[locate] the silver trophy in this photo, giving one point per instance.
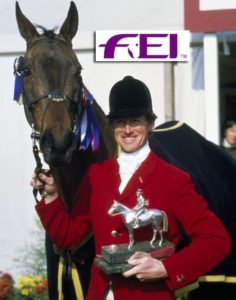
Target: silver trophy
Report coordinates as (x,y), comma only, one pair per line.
(114,257)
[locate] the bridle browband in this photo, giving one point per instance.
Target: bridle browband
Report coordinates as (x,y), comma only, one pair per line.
(46,39)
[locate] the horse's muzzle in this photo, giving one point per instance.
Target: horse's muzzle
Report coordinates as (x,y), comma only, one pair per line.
(57,151)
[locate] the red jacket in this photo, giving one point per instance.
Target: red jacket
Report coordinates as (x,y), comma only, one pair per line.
(166,188)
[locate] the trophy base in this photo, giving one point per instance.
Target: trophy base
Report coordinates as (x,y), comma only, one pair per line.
(111,269)
(114,257)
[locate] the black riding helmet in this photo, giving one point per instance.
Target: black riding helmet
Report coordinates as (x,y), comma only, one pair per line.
(130,97)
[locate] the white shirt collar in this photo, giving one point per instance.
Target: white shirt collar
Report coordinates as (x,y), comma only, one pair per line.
(130,162)
(226,144)
(137,156)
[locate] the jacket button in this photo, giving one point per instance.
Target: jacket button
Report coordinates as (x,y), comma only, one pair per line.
(114,233)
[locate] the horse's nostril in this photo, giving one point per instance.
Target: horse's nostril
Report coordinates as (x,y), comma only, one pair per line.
(56,146)
(69,140)
(46,140)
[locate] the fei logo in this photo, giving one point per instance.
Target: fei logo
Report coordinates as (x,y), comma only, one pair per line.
(142,46)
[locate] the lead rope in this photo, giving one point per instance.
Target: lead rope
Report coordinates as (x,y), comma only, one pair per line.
(35,137)
(71,268)
(75,279)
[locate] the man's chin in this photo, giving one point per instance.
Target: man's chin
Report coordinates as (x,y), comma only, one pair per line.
(129,148)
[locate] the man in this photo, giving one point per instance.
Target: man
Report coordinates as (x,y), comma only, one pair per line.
(140,207)
(229,141)
(166,188)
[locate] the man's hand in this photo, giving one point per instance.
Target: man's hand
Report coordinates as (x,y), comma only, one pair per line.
(146,268)
(47,183)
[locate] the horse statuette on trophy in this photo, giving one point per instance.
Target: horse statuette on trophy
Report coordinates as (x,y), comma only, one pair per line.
(114,257)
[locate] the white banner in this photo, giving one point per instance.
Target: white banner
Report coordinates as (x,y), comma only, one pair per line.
(217,4)
(142,45)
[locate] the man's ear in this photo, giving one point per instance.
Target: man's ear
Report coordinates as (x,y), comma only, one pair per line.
(151,125)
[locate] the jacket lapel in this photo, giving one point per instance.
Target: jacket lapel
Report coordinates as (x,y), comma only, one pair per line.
(112,177)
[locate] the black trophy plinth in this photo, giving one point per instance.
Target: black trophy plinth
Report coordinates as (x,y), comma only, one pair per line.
(114,257)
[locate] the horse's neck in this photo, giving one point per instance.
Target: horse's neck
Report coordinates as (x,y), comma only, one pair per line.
(69,176)
(124,209)
(108,144)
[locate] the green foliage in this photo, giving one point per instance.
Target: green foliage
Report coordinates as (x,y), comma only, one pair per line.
(31,259)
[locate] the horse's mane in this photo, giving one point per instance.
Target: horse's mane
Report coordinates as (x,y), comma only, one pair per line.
(49,33)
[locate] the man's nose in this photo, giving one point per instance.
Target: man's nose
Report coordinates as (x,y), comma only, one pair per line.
(127,128)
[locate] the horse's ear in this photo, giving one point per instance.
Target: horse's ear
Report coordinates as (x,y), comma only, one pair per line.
(26,28)
(70,25)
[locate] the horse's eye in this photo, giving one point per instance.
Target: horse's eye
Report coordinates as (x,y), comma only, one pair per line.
(25,71)
(78,73)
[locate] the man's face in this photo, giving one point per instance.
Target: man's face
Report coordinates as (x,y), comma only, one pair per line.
(131,133)
(230,135)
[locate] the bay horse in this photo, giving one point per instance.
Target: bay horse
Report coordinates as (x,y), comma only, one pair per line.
(70,127)
(154,217)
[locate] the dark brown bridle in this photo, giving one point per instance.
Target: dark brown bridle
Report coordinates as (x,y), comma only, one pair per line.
(52,96)
(55,96)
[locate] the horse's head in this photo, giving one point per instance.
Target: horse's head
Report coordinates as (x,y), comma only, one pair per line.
(52,85)
(114,208)
(118,208)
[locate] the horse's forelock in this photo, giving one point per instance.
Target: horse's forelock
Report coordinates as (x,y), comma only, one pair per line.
(49,33)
